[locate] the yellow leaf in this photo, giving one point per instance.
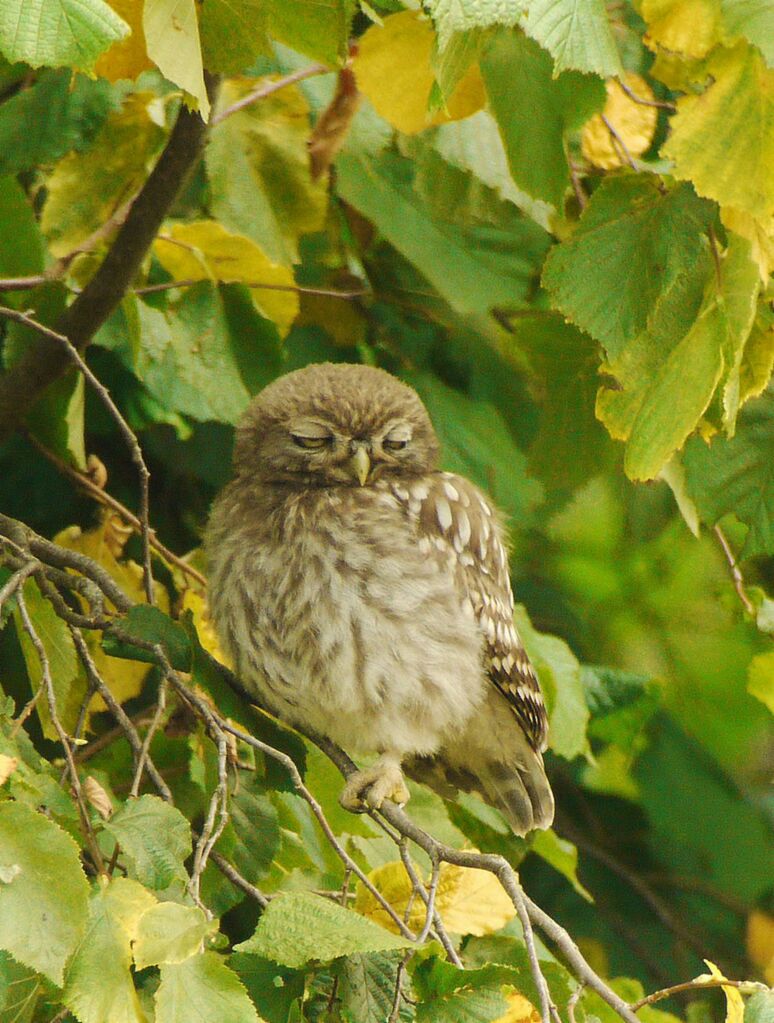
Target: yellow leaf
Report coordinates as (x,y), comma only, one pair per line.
(687,27)
(127,58)
(196,603)
(469,901)
(633,122)
(86,189)
(7,766)
(734,1000)
(104,544)
(98,797)
(393,69)
(760,678)
(760,942)
(172,33)
(520,1010)
(204,250)
(760,234)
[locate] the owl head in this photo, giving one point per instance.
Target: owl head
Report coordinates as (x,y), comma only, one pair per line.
(334,423)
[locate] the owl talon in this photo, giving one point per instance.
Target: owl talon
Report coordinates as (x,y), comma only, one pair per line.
(367,790)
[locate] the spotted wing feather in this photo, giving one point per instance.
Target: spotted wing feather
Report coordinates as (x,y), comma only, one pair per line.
(454,518)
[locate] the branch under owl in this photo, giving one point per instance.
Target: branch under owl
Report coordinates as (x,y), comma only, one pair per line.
(65,572)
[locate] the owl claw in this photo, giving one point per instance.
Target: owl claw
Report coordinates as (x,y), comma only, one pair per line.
(368,789)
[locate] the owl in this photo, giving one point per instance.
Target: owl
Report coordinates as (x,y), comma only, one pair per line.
(363,594)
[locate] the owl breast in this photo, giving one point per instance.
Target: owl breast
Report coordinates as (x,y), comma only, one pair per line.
(344,625)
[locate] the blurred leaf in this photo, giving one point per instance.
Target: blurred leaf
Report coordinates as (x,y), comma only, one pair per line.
(620,703)
(688,27)
(562,856)
(258,168)
(633,241)
(204,250)
(274,989)
(760,234)
(20,991)
(558,671)
(761,678)
(169,933)
(155,837)
(753,19)
(318,28)
(737,475)
(204,987)
(469,901)
(451,17)
(634,124)
(127,58)
(297,928)
(43,892)
(233,34)
(99,984)
(734,1000)
(722,140)
(760,1006)
(392,68)
(171,30)
(150,625)
(57,32)
(85,190)
(21,244)
(513,65)
(760,949)
(576,33)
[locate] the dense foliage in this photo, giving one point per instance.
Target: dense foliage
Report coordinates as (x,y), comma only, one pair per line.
(555,219)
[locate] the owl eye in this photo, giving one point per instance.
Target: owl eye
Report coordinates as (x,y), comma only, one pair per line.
(394,445)
(311,443)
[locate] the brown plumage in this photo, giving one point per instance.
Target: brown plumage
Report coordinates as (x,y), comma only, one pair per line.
(365,595)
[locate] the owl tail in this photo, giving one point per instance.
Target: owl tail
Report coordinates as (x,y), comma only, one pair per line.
(520,791)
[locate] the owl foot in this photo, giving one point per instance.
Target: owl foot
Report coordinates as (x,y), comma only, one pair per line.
(369,788)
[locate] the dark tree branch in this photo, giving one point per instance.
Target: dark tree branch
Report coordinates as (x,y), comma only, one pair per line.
(46,360)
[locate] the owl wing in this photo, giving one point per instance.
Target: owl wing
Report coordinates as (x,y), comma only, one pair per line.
(454,518)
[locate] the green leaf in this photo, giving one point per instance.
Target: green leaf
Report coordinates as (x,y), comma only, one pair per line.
(169,933)
(318,28)
(759,1007)
(233,34)
(737,475)
(171,32)
(202,989)
(760,674)
(297,928)
(474,267)
(252,836)
(99,984)
(367,988)
(723,139)
(155,837)
(67,678)
(20,991)
(452,16)
(634,241)
(558,671)
(274,989)
(576,33)
(620,703)
(513,65)
(57,32)
(562,856)
(258,167)
(150,625)
(753,19)
(43,892)
(507,957)
(21,244)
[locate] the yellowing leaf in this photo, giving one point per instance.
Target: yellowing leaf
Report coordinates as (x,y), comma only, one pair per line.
(520,1010)
(7,766)
(759,233)
(172,35)
(688,27)
(86,189)
(204,250)
(469,901)
(393,69)
(208,637)
(104,544)
(734,1000)
(760,678)
(634,123)
(760,936)
(723,139)
(129,57)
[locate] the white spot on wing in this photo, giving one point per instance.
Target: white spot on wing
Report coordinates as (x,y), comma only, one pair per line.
(451,491)
(443,513)
(463,527)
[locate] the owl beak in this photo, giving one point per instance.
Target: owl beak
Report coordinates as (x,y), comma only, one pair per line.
(360,464)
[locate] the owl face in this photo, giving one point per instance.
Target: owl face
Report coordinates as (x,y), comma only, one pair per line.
(333,425)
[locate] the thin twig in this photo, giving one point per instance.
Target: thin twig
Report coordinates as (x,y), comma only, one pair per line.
(577,188)
(215,821)
(618,141)
(229,871)
(268,89)
(749,986)
(48,686)
(736,572)
(124,429)
(661,104)
(573,1000)
(142,757)
(150,289)
(417,886)
(510,882)
(714,249)
(16,581)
